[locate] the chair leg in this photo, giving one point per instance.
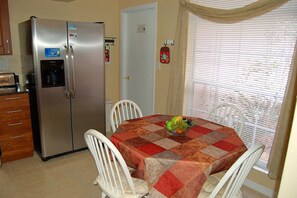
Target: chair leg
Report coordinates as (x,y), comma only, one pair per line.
(146,196)
(95,182)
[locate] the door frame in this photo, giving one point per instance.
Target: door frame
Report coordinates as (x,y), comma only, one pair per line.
(124,12)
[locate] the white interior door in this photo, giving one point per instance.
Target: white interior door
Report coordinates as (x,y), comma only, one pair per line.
(138,56)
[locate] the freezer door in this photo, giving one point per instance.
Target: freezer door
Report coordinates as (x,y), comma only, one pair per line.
(86,44)
(50,67)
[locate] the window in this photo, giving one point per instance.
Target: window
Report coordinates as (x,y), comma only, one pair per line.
(246,64)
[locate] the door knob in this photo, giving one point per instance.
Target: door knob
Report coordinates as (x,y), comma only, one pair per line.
(127,77)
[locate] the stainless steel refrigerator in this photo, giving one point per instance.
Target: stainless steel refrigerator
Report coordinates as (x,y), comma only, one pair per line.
(66,82)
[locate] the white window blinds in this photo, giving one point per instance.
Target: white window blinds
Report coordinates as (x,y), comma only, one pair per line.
(245,64)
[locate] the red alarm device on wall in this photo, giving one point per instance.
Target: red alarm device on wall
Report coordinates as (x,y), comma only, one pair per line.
(164,55)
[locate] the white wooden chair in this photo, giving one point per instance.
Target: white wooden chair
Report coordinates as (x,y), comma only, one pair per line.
(229,185)
(113,178)
(228,115)
(123,110)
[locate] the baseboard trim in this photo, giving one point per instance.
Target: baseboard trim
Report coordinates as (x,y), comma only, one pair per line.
(259,188)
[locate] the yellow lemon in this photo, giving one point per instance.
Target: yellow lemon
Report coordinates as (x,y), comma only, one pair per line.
(176,118)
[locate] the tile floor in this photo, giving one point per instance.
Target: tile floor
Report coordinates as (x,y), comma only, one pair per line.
(249,193)
(63,177)
(67,176)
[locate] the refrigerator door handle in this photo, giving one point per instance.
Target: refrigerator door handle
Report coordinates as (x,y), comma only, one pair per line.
(72,72)
(67,92)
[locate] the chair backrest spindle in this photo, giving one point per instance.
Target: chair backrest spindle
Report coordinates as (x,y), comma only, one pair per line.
(123,110)
(230,184)
(228,115)
(114,178)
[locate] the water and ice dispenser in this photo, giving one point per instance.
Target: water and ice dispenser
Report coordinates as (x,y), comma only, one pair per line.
(52,73)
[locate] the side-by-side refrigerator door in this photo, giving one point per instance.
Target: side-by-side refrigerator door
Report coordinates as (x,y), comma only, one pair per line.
(50,68)
(86,43)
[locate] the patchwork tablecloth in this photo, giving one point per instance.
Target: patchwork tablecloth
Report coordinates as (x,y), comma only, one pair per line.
(176,166)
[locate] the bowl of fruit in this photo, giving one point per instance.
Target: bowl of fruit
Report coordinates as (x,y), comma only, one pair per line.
(178,125)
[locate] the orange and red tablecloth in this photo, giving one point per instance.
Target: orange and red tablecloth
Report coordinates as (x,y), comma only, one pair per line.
(176,166)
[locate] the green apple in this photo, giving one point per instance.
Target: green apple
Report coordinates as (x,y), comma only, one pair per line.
(168,125)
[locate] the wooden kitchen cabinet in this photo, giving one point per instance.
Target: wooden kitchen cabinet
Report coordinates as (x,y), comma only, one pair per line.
(5,37)
(15,127)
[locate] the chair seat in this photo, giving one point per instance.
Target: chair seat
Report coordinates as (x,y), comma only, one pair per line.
(211,182)
(140,186)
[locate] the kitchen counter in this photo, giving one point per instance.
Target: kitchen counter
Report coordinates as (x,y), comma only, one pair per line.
(7,91)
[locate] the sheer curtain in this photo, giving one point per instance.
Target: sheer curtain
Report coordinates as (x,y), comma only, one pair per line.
(177,77)
(282,135)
